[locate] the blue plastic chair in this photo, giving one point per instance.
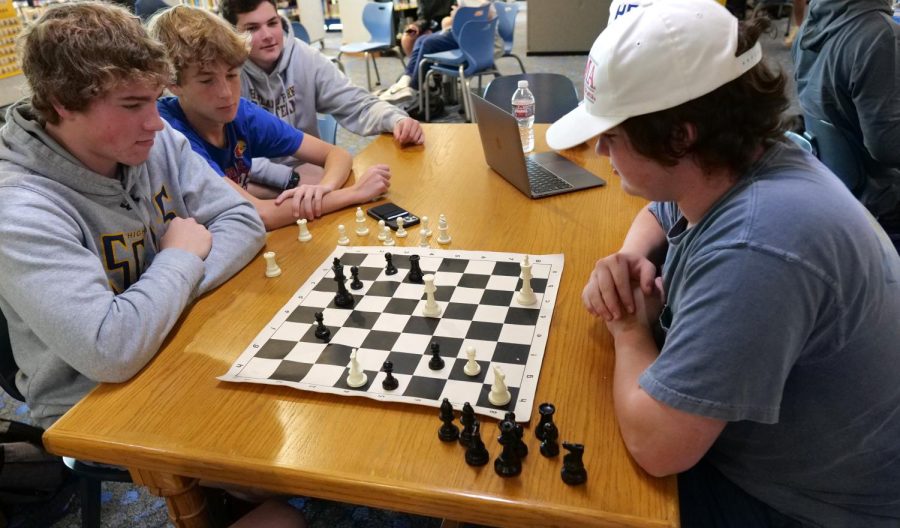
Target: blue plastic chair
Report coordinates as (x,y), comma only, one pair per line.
(300,31)
(327,128)
(839,152)
(378,20)
(554,94)
(507,27)
(476,41)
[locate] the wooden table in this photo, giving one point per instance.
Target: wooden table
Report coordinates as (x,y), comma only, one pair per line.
(175,423)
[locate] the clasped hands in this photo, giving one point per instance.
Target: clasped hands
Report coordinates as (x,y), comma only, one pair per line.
(624,290)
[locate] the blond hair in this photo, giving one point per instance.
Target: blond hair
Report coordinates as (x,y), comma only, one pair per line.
(75,53)
(195,36)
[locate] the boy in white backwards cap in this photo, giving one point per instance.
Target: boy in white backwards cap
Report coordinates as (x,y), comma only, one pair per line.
(775,394)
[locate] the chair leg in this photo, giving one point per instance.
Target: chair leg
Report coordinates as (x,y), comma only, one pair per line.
(368,75)
(520,63)
(377,75)
(426,96)
(89,491)
(464,84)
(422,87)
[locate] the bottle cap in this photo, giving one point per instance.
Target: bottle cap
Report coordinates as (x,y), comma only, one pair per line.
(523,84)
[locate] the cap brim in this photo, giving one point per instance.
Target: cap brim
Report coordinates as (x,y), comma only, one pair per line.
(578,126)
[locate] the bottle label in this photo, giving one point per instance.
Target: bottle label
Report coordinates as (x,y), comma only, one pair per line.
(523,111)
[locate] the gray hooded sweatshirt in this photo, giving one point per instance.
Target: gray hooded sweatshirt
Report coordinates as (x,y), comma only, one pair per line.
(88,294)
(847,67)
(303,83)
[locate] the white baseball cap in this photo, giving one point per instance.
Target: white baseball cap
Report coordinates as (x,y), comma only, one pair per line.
(661,54)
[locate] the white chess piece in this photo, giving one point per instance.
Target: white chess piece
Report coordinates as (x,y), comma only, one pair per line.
(401,233)
(388,239)
(361,228)
(343,239)
(423,239)
(272,269)
(431,308)
(305,235)
(443,235)
(526,296)
(472,367)
(499,394)
(425,227)
(381,228)
(356,377)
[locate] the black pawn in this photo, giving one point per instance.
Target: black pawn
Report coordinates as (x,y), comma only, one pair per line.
(448,432)
(415,271)
(508,464)
(546,411)
(322,331)
(355,284)
(389,269)
(573,472)
(343,298)
(436,362)
(389,382)
(521,447)
(467,419)
(477,454)
(549,445)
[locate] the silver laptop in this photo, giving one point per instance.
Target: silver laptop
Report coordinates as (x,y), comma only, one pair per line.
(536,175)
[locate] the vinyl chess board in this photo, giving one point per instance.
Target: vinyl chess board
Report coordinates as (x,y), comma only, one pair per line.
(477,292)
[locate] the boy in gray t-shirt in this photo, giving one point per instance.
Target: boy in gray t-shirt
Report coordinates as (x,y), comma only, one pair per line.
(775,393)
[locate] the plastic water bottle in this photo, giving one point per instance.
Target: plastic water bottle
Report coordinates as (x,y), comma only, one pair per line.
(523,109)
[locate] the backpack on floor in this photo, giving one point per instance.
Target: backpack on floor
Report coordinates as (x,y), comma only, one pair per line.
(28,473)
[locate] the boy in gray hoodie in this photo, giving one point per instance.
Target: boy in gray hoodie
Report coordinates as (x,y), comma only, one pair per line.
(111,224)
(294,81)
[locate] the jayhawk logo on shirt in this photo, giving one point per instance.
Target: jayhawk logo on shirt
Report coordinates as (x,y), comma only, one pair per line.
(240,171)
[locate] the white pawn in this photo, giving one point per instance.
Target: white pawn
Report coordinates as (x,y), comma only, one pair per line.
(526,296)
(381,228)
(425,227)
(361,228)
(272,269)
(499,394)
(443,235)
(343,239)
(388,239)
(431,308)
(472,367)
(305,235)
(423,239)
(356,377)
(401,233)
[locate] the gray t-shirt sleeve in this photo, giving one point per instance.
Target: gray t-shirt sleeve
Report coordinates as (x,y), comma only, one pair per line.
(743,317)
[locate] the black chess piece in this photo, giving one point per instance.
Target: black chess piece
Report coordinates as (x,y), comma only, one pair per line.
(322,331)
(389,382)
(436,362)
(448,432)
(573,471)
(355,284)
(549,445)
(467,419)
(389,269)
(546,411)
(415,271)
(476,453)
(508,464)
(337,267)
(521,447)
(343,298)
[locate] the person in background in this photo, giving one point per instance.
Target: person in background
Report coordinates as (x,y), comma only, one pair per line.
(753,307)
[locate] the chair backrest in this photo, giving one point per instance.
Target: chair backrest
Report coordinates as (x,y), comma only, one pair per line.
(300,31)
(476,41)
(327,128)
(554,94)
(801,141)
(8,367)
(465,15)
(839,153)
(377,17)
(507,26)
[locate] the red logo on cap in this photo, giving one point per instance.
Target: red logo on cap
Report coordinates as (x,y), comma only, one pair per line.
(589,74)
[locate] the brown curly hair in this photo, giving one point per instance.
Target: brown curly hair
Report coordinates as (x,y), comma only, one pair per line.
(75,53)
(731,122)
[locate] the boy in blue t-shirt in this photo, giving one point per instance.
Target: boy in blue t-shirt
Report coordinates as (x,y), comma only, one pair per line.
(229,131)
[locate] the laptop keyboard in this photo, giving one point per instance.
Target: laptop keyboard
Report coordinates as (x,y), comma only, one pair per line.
(542,180)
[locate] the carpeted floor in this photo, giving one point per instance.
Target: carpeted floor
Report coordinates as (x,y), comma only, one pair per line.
(129,505)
